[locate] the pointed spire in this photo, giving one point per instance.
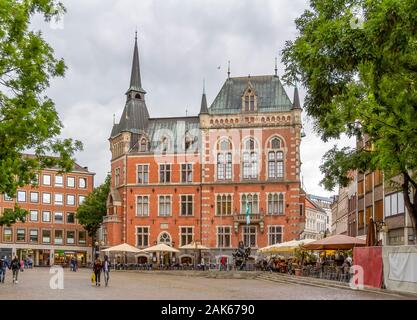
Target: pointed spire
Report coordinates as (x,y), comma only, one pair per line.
(228,69)
(276,67)
(203,108)
(296,102)
(135,80)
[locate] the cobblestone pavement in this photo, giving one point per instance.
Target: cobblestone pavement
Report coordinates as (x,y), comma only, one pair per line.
(34,284)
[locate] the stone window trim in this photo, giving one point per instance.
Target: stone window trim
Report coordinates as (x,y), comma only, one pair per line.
(250,234)
(71,185)
(59,181)
(223,234)
(231,195)
(167,173)
(50,235)
(170,204)
(168,236)
(24,234)
(142,166)
(249,100)
(62,238)
(270,234)
(21,196)
(143,204)
(250,158)
(8,229)
(30,235)
(50,216)
(241,195)
(37,215)
(283,202)
(187,201)
(68,196)
(186,234)
(224,159)
(43,198)
(187,170)
(67,238)
(117,177)
(46,179)
(278,159)
(148,233)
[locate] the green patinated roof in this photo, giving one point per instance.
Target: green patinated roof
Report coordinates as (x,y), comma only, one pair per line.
(271,95)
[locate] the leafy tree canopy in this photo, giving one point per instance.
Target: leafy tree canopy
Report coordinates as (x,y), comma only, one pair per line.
(357,60)
(91,212)
(28,119)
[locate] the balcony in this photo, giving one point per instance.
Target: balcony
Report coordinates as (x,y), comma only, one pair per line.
(111,218)
(255,218)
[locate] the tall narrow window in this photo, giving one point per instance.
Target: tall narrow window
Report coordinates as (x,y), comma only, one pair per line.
(143,173)
(164,173)
(164,206)
(117,177)
(249,101)
(275,160)
(186,205)
(224,205)
(187,172)
(224,234)
(275,203)
(142,208)
(224,160)
(250,160)
(249,236)
(186,235)
(142,236)
(249,202)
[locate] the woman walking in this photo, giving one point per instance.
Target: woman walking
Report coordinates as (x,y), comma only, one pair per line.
(15,266)
(97,270)
(106,270)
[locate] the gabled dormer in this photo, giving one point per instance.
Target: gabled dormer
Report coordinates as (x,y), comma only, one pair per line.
(249,99)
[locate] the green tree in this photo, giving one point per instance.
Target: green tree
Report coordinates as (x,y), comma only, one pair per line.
(28,119)
(357,60)
(91,212)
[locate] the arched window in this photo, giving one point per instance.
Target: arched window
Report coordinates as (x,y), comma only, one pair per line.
(250,160)
(249,203)
(165,237)
(143,145)
(275,160)
(275,203)
(249,100)
(224,160)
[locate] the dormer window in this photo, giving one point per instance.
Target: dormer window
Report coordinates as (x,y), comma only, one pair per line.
(249,100)
(143,145)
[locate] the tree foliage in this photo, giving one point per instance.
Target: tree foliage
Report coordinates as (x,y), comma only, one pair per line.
(360,74)
(91,212)
(28,119)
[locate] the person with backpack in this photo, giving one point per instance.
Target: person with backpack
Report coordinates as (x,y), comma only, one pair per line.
(15,267)
(106,270)
(4,264)
(97,267)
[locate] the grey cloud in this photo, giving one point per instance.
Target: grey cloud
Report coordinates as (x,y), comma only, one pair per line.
(180,43)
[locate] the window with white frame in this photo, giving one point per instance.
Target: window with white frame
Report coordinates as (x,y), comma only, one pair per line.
(186,235)
(250,160)
(46,216)
(70,237)
(249,202)
(224,205)
(82,182)
(46,179)
(275,159)
(34,215)
(71,182)
(164,206)
(33,235)
(249,100)
(142,206)
(164,173)
(81,199)
(59,181)
(46,236)
(224,235)
(59,199)
(21,196)
(275,203)
(143,173)
(249,236)
(186,172)
(46,198)
(394,204)
(274,234)
(186,205)
(142,236)
(59,237)
(58,217)
(20,235)
(224,160)
(165,237)
(7,234)
(70,200)
(34,197)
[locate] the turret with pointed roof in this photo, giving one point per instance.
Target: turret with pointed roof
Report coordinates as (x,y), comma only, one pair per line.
(135,114)
(203,108)
(296,102)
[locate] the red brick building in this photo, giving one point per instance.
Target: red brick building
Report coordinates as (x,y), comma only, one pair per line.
(230,174)
(51,233)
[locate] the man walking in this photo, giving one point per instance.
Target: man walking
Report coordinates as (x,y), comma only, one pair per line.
(106,270)
(15,266)
(4,264)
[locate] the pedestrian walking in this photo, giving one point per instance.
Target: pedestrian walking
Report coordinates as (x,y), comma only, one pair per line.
(97,267)
(4,264)
(75,264)
(106,270)
(15,267)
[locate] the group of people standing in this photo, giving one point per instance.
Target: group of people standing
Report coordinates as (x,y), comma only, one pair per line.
(15,265)
(100,266)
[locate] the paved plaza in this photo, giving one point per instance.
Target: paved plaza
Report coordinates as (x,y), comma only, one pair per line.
(34,284)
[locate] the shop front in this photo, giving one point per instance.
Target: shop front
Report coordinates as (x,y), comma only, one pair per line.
(63,257)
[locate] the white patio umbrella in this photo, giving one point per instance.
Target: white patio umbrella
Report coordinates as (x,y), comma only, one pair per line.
(162,247)
(196,246)
(123,248)
(285,247)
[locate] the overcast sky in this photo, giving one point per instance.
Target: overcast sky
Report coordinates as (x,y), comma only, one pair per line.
(181,42)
